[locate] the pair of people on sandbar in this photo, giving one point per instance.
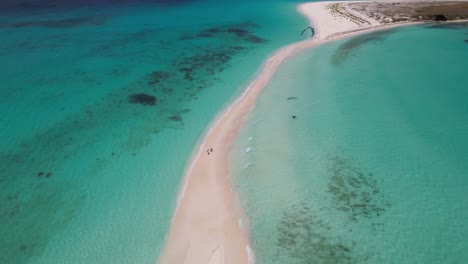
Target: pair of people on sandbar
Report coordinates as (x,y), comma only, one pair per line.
(210,150)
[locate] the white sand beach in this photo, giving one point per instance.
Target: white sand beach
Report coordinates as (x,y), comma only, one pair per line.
(206,225)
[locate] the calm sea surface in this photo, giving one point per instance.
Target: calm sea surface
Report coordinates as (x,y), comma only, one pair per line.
(357,152)
(101,106)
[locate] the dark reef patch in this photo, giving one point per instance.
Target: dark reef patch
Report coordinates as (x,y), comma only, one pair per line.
(24,236)
(254,39)
(23,247)
(206,63)
(142,98)
(200,35)
(32,42)
(345,50)
(240,31)
(187,73)
(37,5)
(167,90)
(355,191)
(61,23)
(176,118)
(116,45)
(466,41)
(119,71)
(157,77)
(304,237)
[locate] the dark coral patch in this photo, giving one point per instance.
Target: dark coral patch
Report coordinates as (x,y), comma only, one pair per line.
(118,72)
(238,48)
(61,23)
(466,41)
(157,77)
(187,73)
(142,98)
(254,39)
(303,237)
(213,30)
(348,48)
(238,31)
(204,35)
(176,118)
(12,197)
(355,191)
(23,247)
(167,90)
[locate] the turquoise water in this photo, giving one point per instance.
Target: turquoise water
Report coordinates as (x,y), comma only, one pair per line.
(374,166)
(87,176)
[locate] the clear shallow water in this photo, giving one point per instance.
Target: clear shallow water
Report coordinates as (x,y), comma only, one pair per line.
(374,168)
(85,175)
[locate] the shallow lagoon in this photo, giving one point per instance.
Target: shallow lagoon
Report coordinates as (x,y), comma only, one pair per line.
(372,167)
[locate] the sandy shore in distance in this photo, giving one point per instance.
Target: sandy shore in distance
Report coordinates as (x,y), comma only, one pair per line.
(206,225)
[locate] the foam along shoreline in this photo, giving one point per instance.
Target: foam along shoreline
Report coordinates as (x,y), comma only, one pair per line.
(207,225)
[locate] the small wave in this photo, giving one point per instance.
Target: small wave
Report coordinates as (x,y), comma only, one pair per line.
(250,139)
(250,149)
(249,165)
(250,254)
